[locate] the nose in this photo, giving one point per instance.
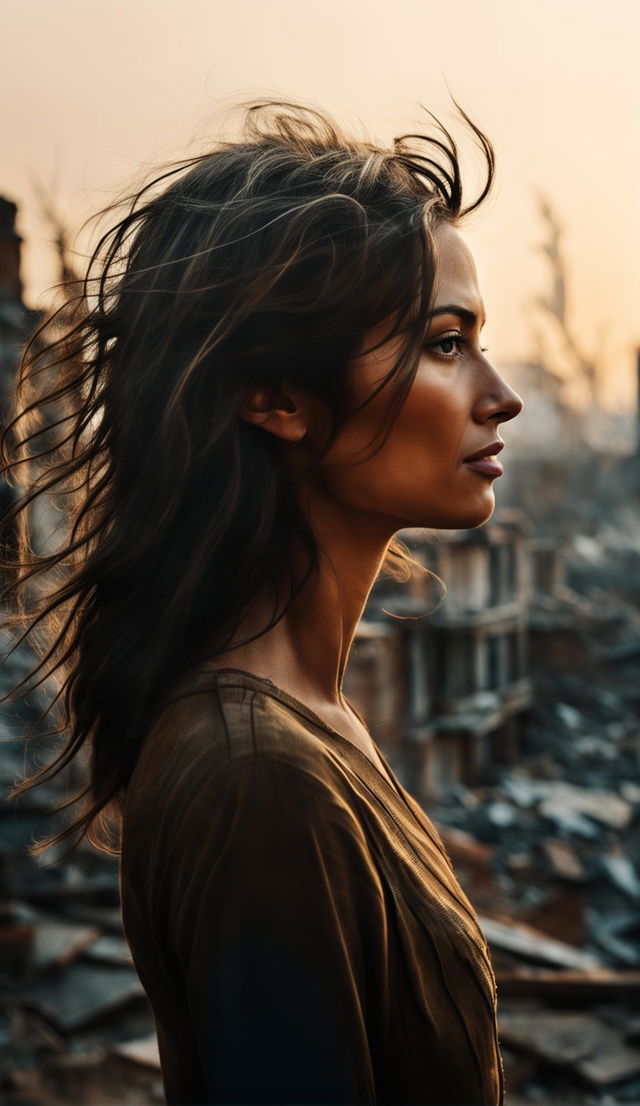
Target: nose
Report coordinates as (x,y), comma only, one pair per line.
(497,400)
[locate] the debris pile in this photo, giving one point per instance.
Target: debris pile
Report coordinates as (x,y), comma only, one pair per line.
(549,852)
(75,1025)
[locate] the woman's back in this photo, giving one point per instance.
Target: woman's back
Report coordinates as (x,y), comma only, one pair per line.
(293,916)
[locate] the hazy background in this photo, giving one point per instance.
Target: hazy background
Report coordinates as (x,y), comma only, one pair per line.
(94,91)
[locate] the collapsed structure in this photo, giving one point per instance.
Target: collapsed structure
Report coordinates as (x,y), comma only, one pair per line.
(444,684)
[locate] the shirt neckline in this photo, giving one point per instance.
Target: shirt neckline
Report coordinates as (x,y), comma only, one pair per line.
(371,769)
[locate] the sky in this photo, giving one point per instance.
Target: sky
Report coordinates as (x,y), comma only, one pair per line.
(95,92)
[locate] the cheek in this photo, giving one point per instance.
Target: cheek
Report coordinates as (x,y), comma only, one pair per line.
(433,420)
(423,447)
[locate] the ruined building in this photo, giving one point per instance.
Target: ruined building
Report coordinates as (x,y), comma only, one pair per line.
(445,685)
(16,320)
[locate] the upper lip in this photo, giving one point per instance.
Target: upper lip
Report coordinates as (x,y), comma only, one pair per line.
(488,451)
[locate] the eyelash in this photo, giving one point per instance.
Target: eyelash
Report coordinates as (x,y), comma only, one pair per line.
(459,341)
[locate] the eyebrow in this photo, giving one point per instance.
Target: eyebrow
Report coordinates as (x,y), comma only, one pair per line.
(463,313)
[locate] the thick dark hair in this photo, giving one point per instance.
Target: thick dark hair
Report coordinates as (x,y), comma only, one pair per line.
(265,259)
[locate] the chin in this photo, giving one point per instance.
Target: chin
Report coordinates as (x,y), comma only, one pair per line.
(480,516)
(466,515)
(469,517)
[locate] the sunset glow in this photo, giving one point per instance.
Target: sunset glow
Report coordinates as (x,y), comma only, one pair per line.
(96,92)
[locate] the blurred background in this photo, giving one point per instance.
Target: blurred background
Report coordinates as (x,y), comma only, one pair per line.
(511,707)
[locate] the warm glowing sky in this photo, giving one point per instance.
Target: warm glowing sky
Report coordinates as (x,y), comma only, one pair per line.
(95,90)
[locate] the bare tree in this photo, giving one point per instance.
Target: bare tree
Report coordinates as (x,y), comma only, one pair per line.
(69,283)
(555,303)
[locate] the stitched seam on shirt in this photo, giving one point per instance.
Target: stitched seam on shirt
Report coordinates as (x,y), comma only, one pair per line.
(253,723)
(466,933)
(404,837)
(310,717)
(216,692)
(488,996)
(459,1012)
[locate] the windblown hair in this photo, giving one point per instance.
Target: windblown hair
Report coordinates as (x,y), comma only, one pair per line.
(264,260)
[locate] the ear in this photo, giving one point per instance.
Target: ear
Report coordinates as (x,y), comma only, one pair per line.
(281,411)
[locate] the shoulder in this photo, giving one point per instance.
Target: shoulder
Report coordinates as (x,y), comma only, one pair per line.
(221,740)
(240,786)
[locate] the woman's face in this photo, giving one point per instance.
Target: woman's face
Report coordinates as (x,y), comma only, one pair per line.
(421,476)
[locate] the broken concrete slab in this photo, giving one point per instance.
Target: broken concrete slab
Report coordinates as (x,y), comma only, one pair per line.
(92,1078)
(463,847)
(563,860)
(604,807)
(570,822)
(521,864)
(129,1023)
(57,943)
(611,1064)
(560,1038)
(532,982)
(630,792)
(521,789)
(621,873)
(501,814)
(569,716)
(532,945)
(617,935)
(142,1051)
(110,949)
(83,992)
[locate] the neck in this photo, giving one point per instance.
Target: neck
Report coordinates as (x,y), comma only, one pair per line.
(307,651)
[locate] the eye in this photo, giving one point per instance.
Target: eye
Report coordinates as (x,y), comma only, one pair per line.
(447,346)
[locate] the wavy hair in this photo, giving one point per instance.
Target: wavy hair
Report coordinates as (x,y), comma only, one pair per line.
(265,259)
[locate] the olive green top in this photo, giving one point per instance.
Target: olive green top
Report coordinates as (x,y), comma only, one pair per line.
(293,916)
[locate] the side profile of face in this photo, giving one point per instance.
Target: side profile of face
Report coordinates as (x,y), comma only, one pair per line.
(422,476)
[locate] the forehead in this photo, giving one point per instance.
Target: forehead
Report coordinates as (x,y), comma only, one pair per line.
(456,276)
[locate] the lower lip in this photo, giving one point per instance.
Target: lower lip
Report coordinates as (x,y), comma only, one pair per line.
(487,466)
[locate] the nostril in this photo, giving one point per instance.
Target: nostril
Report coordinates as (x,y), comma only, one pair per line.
(513,408)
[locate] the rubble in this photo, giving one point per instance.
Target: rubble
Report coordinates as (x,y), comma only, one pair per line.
(550,845)
(57,943)
(82,993)
(601,806)
(622,874)
(563,860)
(143,1051)
(559,1038)
(572,987)
(611,1064)
(529,944)
(78,1027)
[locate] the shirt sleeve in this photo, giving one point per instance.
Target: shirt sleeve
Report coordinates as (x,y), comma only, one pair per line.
(280,931)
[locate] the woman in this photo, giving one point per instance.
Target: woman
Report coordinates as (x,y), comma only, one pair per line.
(279,368)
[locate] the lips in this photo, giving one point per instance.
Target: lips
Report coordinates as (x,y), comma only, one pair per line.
(488,451)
